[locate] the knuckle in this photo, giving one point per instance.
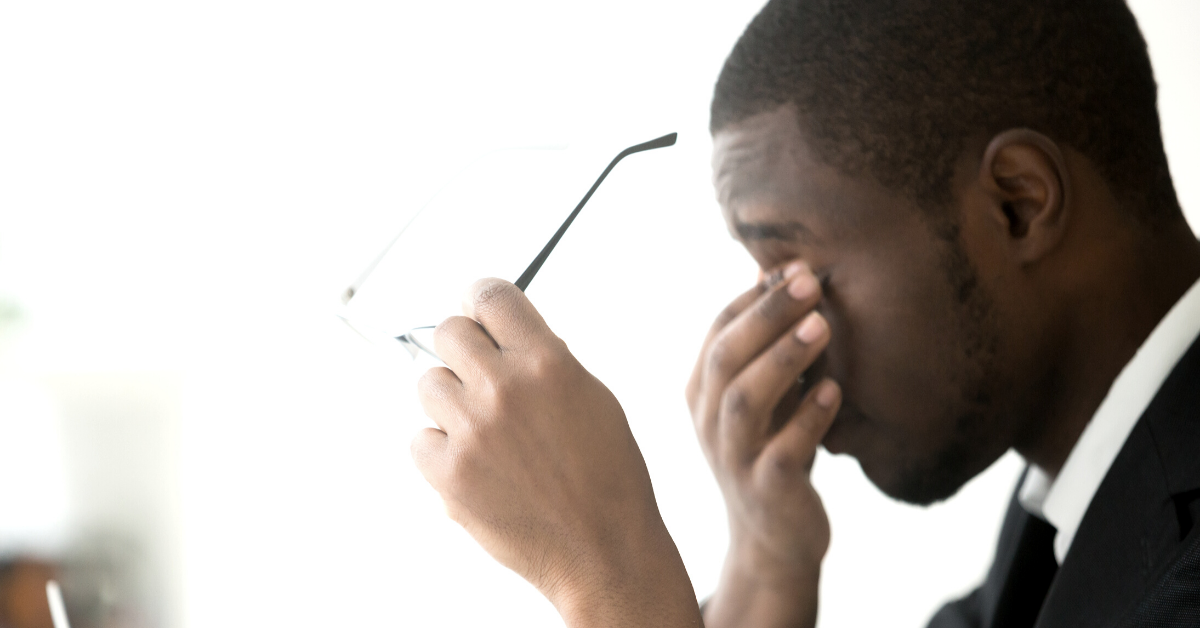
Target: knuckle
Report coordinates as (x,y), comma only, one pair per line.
(438,378)
(448,326)
(734,402)
(719,359)
(550,362)
(447,330)
(788,355)
(419,448)
(430,384)
(491,293)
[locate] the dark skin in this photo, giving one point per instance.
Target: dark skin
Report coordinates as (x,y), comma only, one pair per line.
(1047,276)
(937,349)
(949,352)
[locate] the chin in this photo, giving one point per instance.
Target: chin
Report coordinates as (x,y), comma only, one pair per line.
(920,488)
(903,475)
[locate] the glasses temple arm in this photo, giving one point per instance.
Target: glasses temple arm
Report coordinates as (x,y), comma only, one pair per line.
(527,276)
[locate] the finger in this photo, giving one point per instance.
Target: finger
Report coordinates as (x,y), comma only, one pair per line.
(428,451)
(766,281)
(438,391)
(505,313)
(730,312)
(755,329)
(748,400)
(735,307)
(752,329)
(794,448)
(465,347)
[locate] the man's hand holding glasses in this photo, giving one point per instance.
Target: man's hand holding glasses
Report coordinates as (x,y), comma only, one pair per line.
(534,458)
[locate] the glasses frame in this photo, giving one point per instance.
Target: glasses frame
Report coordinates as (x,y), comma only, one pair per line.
(410,341)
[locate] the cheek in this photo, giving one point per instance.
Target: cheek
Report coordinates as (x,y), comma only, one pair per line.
(893,350)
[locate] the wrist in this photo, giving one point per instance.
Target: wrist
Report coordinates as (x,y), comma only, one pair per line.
(648,586)
(753,557)
(758,589)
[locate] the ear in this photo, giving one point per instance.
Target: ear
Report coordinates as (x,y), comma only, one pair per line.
(1024,175)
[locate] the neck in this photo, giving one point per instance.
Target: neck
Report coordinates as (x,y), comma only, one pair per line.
(1102,331)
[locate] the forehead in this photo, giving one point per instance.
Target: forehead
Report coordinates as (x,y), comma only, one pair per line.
(781,200)
(765,172)
(759,156)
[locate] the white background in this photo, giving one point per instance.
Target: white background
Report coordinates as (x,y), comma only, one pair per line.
(186,188)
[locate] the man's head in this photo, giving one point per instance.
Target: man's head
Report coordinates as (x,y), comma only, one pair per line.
(960,175)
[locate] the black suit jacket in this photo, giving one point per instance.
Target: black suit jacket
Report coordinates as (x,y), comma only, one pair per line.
(1135,560)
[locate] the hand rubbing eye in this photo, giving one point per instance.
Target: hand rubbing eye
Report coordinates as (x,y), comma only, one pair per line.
(773,278)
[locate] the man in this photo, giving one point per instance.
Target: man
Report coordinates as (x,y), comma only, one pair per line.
(971,244)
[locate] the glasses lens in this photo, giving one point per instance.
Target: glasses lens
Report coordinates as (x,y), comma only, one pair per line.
(489,221)
(419,341)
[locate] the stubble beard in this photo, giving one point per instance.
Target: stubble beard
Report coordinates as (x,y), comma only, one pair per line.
(983,413)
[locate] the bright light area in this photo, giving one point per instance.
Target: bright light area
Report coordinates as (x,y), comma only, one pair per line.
(186,189)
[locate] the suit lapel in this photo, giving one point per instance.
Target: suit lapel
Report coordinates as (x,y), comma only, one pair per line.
(1131,530)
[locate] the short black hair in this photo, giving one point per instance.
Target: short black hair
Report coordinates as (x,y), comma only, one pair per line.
(895,88)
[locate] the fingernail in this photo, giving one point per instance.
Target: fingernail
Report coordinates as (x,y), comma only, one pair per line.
(812,328)
(803,287)
(791,270)
(827,395)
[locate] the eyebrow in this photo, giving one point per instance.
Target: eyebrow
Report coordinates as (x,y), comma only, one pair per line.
(787,231)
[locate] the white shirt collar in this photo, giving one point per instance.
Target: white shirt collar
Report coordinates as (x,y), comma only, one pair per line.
(1062,501)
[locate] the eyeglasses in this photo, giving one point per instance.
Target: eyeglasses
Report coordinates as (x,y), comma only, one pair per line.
(58,611)
(419,340)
